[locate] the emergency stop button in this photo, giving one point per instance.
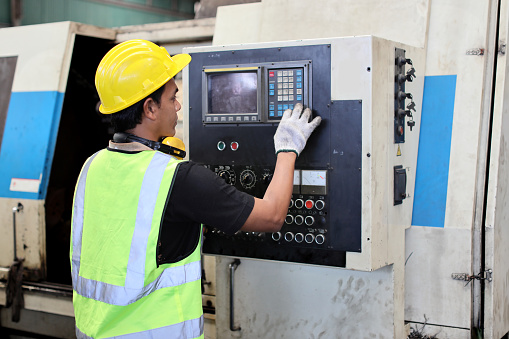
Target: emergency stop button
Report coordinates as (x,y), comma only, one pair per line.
(234,146)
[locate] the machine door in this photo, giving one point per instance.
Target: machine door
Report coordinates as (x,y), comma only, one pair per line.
(34,77)
(496,268)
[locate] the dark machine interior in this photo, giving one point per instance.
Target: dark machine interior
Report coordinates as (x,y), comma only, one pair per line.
(82,132)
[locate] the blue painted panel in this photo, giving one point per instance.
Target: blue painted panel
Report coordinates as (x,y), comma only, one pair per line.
(29,140)
(432,173)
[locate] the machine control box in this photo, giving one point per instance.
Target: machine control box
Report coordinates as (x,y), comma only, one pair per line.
(343,192)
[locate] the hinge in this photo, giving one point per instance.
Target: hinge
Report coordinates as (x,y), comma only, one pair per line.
(486,275)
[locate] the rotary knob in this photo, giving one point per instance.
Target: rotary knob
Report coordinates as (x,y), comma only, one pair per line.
(228,176)
(247,178)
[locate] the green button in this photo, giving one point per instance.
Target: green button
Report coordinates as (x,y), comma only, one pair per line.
(221,146)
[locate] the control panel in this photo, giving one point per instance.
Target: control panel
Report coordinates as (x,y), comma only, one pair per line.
(253,93)
(343,180)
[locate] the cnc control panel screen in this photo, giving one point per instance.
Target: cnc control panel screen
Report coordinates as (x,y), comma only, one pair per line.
(232,93)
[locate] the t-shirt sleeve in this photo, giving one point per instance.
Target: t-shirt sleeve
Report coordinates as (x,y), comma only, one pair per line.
(198,195)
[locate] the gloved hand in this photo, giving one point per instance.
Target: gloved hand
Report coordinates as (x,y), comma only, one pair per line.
(294,130)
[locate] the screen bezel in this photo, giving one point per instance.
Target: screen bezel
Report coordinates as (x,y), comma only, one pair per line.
(235,118)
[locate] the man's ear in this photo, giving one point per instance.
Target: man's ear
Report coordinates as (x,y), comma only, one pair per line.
(150,108)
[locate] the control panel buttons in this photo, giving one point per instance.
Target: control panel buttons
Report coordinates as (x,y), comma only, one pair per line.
(291,203)
(319,205)
(289,236)
(221,145)
(299,203)
(309,204)
(234,145)
(299,219)
(299,237)
(309,238)
(309,220)
(289,219)
(320,239)
(276,236)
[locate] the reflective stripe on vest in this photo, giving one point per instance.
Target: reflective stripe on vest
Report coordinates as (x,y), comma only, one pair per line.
(133,288)
(188,329)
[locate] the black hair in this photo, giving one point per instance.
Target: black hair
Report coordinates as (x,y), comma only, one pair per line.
(129,117)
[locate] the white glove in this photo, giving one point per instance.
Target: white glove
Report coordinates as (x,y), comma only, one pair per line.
(294,130)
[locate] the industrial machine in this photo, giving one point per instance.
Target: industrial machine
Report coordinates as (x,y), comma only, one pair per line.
(367,93)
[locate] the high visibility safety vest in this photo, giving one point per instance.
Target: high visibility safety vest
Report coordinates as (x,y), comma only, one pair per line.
(118,289)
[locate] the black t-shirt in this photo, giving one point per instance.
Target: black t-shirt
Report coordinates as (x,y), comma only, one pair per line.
(197,197)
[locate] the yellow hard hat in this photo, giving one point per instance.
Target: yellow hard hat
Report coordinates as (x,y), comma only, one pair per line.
(132,70)
(178,147)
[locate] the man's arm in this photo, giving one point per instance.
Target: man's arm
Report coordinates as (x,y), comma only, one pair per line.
(269,213)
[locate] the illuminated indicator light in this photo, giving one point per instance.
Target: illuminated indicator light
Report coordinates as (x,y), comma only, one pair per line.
(221,146)
(234,146)
(309,204)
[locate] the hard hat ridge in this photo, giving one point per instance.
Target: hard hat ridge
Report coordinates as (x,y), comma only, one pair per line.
(132,70)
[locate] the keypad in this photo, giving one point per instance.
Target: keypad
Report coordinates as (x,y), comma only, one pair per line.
(285,90)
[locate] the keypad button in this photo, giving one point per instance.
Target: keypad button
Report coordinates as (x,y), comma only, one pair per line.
(279,113)
(290,79)
(279,106)
(280,98)
(271,92)
(299,91)
(285,85)
(271,107)
(285,97)
(279,92)
(290,106)
(299,85)
(298,72)
(290,85)
(285,73)
(285,91)
(299,79)
(285,79)
(290,91)
(290,97)
(285,107)
(279,79)
(280,85)
(271,86)
(271,113)
(299,97)
(279,73)
(290,72)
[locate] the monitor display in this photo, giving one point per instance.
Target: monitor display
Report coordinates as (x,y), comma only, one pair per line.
(232,92)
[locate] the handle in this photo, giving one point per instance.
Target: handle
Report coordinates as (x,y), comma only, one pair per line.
(233,267)
(15,210)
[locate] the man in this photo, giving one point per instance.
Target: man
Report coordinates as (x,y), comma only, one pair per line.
(137,213)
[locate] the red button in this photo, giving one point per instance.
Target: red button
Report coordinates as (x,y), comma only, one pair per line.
(309,204)
(234,146)
(271,74)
